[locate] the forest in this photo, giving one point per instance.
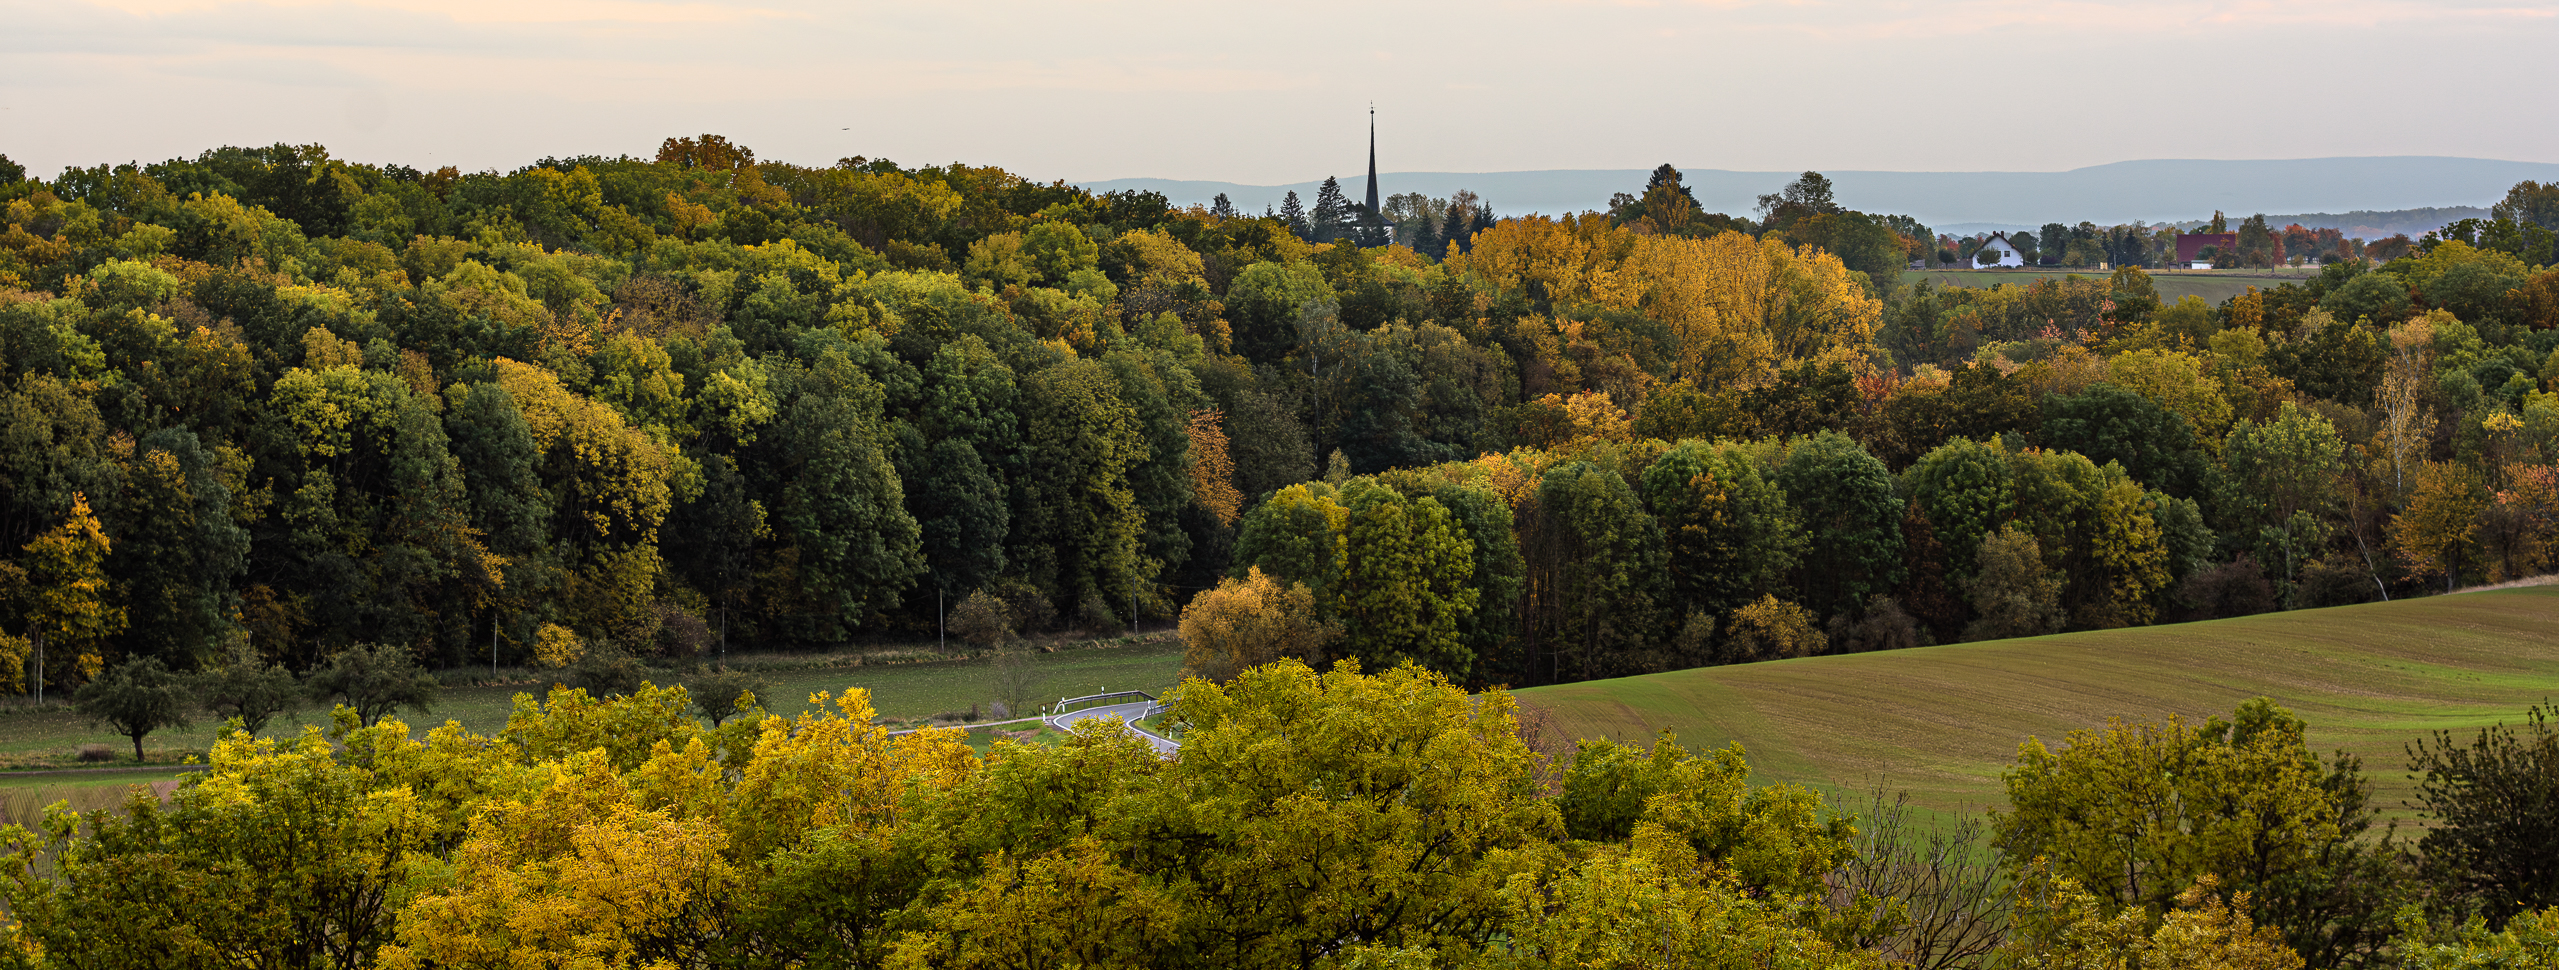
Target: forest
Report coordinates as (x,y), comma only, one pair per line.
(272,405)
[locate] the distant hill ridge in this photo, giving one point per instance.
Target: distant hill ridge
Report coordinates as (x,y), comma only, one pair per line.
(2383,194)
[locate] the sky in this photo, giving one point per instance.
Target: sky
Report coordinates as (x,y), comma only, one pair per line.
(1269,92)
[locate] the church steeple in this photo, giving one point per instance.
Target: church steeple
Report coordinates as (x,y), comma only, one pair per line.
(1373,211)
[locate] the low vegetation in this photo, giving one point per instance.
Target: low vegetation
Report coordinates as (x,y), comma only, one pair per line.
(1312,819)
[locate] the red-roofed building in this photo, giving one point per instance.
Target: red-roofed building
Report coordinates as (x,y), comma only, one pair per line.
(2191,244)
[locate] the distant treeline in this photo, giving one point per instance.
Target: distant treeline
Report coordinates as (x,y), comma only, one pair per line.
(268,401)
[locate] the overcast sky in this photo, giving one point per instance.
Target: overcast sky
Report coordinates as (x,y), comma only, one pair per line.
(1271,92)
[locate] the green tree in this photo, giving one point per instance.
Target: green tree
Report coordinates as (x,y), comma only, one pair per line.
(2013,594)
(844,510)
(1265,302)
(1850,517)
(1594,575)
(1965,489)
(135,697)
(1296,536)
(1727,531)
(2282,485)
(1079,522)
(2493,843)
(180,551)
(247,690)
(375,679)
(2110,424)
(1490,628)
(2136,813)
(1403,595)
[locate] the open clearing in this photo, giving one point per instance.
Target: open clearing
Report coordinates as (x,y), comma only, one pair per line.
(2213,285)
(1943,722)
(51,738)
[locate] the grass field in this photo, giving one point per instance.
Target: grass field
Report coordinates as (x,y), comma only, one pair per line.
(1943,722)
(51,737)
(2213,285)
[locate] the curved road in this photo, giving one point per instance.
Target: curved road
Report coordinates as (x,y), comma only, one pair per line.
(1128,713)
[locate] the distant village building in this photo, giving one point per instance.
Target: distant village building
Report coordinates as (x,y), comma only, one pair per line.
(2190,247)
(1998,251)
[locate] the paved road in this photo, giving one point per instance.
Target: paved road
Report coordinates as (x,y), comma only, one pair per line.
(1125,712)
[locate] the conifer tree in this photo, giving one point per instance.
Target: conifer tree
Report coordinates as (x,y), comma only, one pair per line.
(1293,213)
(1332,211)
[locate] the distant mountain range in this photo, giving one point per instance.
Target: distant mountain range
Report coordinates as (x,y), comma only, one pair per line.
(2374,196)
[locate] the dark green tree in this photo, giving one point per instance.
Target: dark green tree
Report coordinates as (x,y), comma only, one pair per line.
(177,551)
(1728,535)
(2492,843)
(1594,577)
(246,689)
(844,510)
(1844,502)
(2107,423)
(135,697)
(375,679)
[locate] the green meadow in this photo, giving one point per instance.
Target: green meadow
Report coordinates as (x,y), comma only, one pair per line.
(1943,722)
(2213,285)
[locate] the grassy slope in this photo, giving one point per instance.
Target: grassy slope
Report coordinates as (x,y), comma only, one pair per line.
(1944,721)
(2213,285)
(912,691)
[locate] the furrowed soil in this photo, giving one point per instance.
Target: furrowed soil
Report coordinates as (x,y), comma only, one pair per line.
(1944,722)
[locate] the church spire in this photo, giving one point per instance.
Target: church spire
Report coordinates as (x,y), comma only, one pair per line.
(1373,211)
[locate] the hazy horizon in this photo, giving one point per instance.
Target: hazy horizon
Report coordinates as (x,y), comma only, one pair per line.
(1145,88)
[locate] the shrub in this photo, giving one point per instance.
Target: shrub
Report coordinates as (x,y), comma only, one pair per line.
(1771,629)
(2234,588)
(981,621)
(1097,617)
(1884,627)
(555,647)
(725,693)
(607,670)
(1030,609)
(2013,595)
(680,633)
(1245,623)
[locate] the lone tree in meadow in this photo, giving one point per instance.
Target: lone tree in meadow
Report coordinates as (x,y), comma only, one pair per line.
(137,697)
(375,679)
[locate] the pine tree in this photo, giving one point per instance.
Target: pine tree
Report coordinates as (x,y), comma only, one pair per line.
(1332,211)
(1293,213)
(1426,240)
(1455,230)
(1221,207)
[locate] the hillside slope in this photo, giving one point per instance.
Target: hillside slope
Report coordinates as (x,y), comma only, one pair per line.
(1943,722)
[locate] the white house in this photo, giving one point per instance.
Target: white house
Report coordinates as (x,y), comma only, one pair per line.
(1996,251)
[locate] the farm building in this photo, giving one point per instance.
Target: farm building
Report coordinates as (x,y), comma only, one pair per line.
(2190,247)
(1997,251)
